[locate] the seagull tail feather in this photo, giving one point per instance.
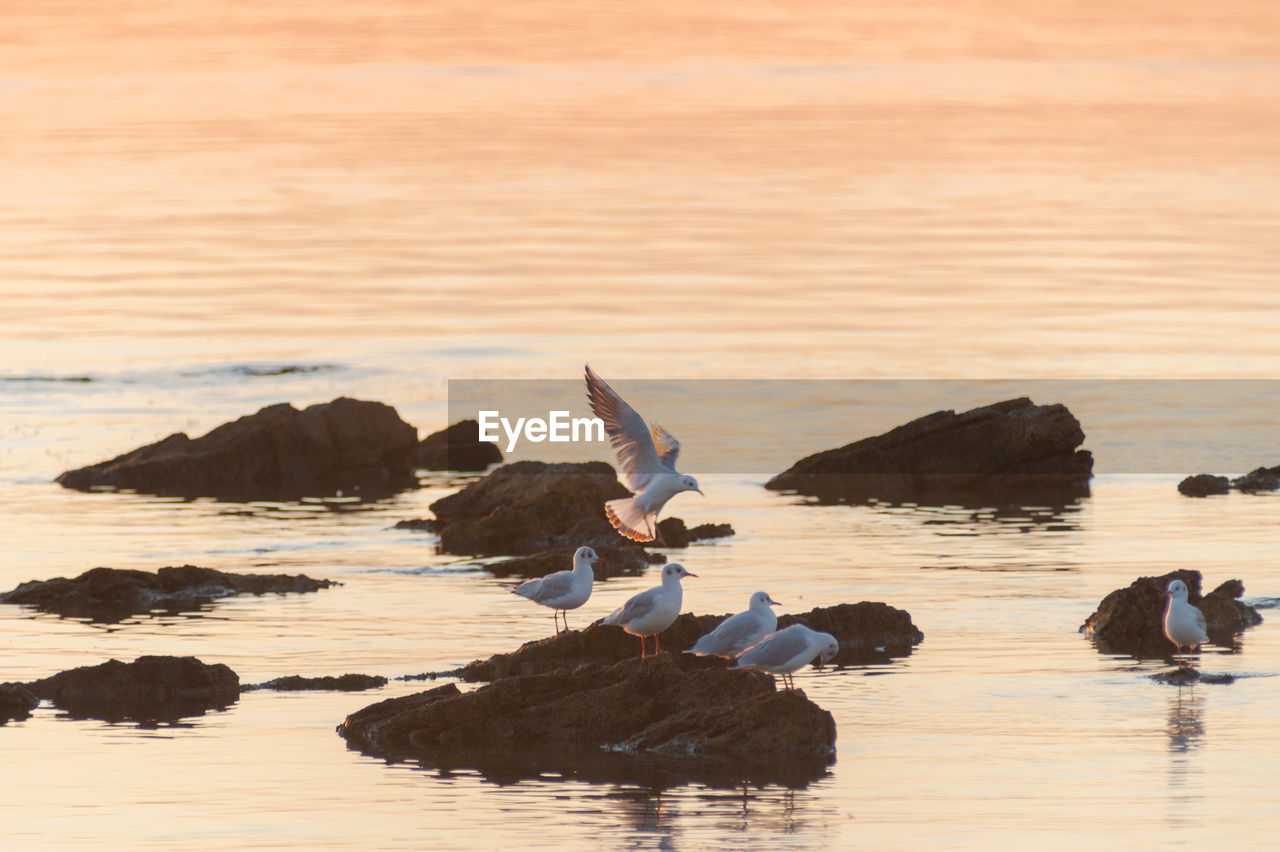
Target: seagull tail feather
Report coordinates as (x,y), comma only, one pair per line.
(629,519)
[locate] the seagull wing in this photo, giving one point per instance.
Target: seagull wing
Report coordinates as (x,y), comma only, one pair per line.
(627,433)
(547,588)
(775,651)
(665,444)
(734,632)
(637,607)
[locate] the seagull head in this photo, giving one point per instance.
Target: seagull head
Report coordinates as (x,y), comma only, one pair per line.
(688,483)
(1176,590)
(830,648)
(585,555)
(676,571)
(762,601)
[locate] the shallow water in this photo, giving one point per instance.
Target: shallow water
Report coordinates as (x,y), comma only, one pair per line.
(212,208)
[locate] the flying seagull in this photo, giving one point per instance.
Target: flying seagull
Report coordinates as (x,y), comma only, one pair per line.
(648,457)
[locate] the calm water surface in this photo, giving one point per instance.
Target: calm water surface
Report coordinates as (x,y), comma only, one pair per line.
(391,197)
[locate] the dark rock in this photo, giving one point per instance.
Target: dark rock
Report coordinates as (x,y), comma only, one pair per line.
(150,689)
(675,534)
(113,594)
(1007,451)
(702,532)
(343,446)
(343,683)
(1184,675)
(867,631)
(616,721)
(1130,620)
(1259,479)
(16,701)
(618,557)
(1204,484)
(457,448)
(419,525)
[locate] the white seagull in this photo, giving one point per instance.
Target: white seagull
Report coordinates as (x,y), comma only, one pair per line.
(654,610)
(563,590)
(1183,623)
(788,650)
(739,632)
(648,457)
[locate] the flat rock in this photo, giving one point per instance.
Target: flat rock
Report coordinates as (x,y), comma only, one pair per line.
(1203,485)
(665,714)
(1010,450)
(1184,675)
(530,507)
(867,631)
(150,689)
(113,594)
(16,701)
(341,683)
(457,448)
(1129,620)
(346,446)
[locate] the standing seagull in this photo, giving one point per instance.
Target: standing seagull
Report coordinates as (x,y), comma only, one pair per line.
(652,611)
(788,650)
(1183,623)
(563,590)
(648,457)
(739,632)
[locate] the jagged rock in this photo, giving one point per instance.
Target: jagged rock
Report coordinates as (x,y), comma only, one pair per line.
(1130,620)
(457,448)
(347,445)
(1010,450)
(530,507)
(1204,484)
(113,594)
(675,534)
(1259,479)
(150,689)
(867,631)
(342,683)
(609,721)
(16,701)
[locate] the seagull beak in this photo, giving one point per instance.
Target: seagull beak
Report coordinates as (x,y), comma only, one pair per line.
(772,602)
(699,490)
(690,574)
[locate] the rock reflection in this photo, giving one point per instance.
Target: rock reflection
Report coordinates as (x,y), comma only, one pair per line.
(1185,729)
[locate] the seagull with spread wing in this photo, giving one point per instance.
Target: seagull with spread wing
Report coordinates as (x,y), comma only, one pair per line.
(648,457)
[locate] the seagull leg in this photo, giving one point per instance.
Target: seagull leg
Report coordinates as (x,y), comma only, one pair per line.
(641,644)
(657,647)
(564,614)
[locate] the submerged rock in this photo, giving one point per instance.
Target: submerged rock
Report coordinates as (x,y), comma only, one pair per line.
(1130,620)
(1184,675)
(1010,450)
(530,507)
(150,689)
(342,683)
(676,534)
(457,448)
(1259,479)
(867,632)
(1204,484)
(113,594)
(344,446)
(16,701)
(668,714)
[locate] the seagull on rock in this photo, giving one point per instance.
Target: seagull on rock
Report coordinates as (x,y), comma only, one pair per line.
(787,650)
(739,632)
(563,590)
(648,457)
(1183,623)
(654,610)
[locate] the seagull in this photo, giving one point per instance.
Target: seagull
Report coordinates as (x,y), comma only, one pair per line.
(1183,623)
(652,611)
(783,652)
(739,632)
(648,458)
(563,590)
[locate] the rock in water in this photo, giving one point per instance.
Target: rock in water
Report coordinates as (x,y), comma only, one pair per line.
(347,445)
(113,594)
(609,722)
(150,689)
(1130,620)
(1010,450)
(16,701)
(1204,484)
(457,448)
